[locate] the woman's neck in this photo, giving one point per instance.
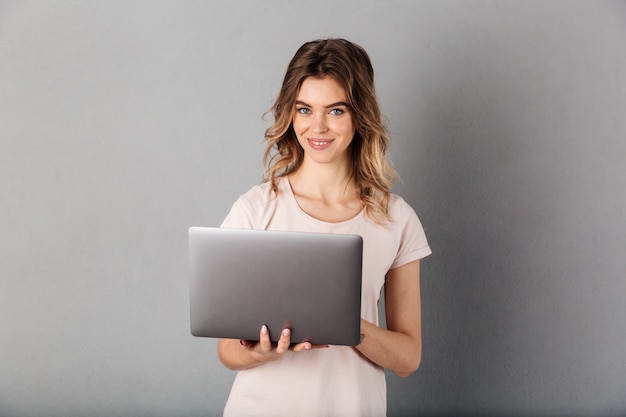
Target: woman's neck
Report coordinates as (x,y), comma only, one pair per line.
(324,181)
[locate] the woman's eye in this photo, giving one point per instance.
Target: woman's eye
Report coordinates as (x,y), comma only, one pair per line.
(336,112)
(303,110)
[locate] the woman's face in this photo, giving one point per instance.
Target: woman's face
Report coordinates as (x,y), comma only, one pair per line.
(322,121)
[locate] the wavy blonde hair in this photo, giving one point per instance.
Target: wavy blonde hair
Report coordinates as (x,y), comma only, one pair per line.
(349,65)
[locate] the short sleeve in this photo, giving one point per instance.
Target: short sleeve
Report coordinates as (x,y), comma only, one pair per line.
(413,242)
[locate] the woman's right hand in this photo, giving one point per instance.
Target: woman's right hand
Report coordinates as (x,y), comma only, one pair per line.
(256,353)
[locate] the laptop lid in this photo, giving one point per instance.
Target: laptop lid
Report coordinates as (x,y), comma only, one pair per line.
(308,282)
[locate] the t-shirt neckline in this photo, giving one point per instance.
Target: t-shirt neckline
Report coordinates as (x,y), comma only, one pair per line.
(285,186)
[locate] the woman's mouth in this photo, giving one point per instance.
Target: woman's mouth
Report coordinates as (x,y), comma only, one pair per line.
(319,144)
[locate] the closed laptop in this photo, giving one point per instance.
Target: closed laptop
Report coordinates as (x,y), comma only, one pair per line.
(308,282)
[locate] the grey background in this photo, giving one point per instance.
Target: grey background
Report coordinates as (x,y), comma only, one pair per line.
(124,123)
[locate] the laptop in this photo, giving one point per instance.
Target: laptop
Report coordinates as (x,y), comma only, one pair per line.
(308,282)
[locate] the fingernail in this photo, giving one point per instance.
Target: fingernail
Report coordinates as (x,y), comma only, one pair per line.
(286,332)
(307,347)
(264,329)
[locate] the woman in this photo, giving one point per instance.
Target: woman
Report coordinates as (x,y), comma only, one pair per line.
(327,172)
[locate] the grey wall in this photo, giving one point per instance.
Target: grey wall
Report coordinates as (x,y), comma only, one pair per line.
(123,123)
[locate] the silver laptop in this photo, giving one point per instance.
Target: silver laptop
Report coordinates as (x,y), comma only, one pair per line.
(308,282)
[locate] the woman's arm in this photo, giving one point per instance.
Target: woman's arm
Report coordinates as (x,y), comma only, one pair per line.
(399,347)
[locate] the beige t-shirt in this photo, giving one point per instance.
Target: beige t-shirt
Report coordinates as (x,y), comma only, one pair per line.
(337,381)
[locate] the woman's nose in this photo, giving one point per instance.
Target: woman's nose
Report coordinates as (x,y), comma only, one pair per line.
(319,123)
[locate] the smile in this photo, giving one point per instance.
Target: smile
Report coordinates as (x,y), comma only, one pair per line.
(320,144)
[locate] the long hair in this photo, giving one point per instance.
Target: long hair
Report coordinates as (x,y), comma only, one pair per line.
(349,65)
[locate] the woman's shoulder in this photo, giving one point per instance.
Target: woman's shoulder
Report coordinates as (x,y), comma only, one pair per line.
(253,208)
(261,193)
(398,207)
(258,198)
(401,213)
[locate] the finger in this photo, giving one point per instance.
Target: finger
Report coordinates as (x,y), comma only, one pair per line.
(284,341)
(264,339)
(302,346)
(248,344)
(320,346)
(308,346)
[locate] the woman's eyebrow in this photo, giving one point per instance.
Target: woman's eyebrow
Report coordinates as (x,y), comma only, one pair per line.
(337,104)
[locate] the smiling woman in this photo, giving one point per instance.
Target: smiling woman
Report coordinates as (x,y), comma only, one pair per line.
(327,171)
(348,65)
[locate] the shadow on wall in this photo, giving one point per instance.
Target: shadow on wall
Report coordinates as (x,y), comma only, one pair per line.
(476,283)
(512,322)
